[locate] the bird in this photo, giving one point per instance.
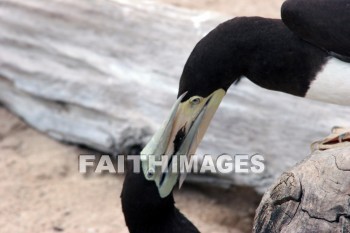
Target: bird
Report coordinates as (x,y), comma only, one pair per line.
(306,53)
(146,212)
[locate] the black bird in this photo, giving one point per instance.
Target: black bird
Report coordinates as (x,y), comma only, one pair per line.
(306,54)
(146,212)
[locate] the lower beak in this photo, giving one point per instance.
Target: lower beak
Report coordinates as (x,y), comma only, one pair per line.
(180,135)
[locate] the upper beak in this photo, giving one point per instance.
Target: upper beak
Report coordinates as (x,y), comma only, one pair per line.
(180,134)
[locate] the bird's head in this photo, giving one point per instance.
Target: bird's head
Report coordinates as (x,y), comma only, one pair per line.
(180,135)
(181,132)
(208,73)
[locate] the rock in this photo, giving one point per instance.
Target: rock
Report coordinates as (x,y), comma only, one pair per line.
(312,197)
(88,72)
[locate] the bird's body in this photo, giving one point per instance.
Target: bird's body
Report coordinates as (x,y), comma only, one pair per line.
(324,24)
(146,212)
(332,83)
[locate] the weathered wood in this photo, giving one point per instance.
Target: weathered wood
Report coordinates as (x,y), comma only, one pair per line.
(313,196)
(99,72)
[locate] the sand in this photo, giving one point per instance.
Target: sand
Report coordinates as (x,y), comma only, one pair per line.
(41,190)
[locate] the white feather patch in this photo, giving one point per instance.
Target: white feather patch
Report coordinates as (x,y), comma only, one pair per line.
(332,83)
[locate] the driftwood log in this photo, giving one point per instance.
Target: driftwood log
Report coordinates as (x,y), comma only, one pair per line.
(105,74)
(312,197)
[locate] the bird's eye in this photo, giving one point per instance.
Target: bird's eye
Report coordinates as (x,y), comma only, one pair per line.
(150,173)
(195,100)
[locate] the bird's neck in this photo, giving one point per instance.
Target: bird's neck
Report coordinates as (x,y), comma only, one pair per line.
(263,50)
(146,212)
(276,59)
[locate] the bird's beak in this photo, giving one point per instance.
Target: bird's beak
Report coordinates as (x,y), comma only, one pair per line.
(180,135)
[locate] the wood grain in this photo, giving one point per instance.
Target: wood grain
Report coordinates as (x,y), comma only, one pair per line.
(311,197)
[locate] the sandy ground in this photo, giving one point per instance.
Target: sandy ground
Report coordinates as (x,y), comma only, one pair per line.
(41,189)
